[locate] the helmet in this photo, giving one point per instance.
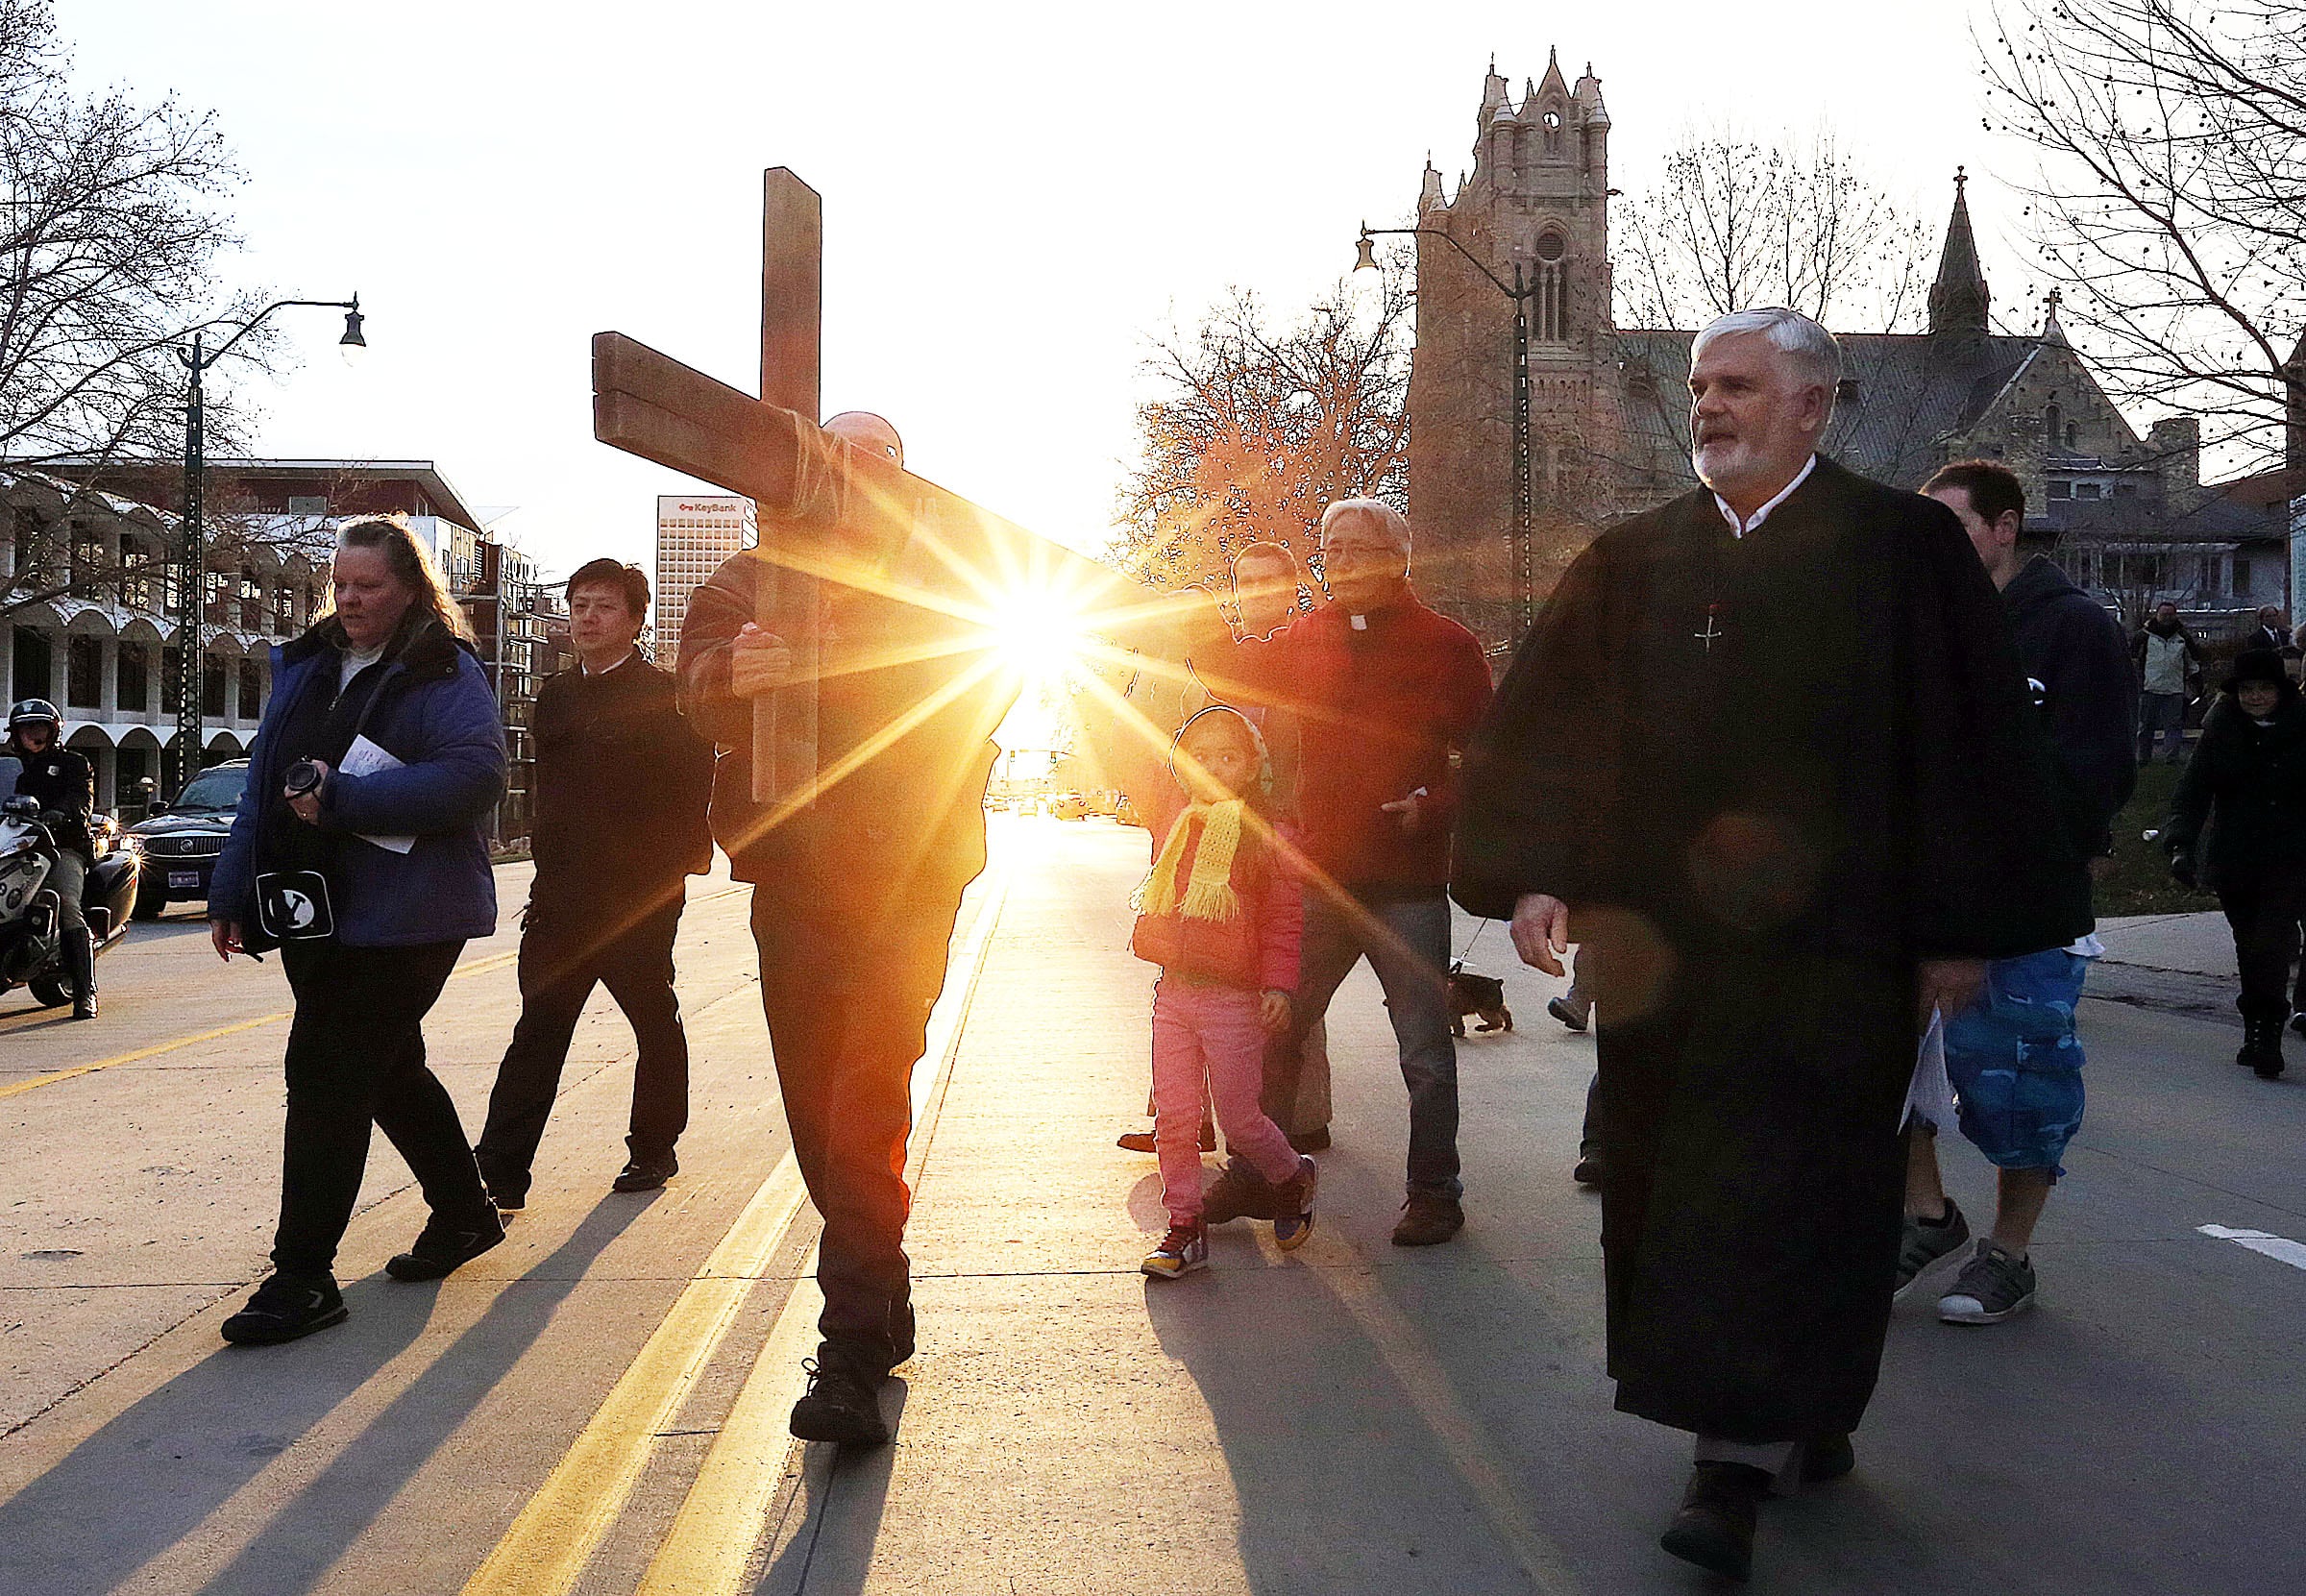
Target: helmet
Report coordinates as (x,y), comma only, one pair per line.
(32,712)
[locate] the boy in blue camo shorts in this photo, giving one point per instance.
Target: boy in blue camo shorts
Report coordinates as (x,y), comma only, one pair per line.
(2012,1057)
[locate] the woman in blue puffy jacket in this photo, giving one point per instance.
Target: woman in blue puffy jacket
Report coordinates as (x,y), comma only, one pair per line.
(357,851)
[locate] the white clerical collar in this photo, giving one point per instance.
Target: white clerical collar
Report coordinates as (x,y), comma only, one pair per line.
(1738,529)
(620,664)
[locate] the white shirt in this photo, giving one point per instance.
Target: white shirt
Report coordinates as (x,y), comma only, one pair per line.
(1739,528)
(357,661)
(606,669)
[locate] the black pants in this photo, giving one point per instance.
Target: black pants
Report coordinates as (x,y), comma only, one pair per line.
(561,961)
(848,980)
(356,1057)
(2264,909)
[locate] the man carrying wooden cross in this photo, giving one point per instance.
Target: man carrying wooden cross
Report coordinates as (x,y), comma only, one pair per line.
(850,672)
(854,899)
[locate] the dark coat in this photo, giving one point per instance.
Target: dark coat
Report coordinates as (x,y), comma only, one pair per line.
(622,783)
(1768,776)
(905,716)
(432,710)
(64,782)
(2241,805)
(1381,709)
(2074,655)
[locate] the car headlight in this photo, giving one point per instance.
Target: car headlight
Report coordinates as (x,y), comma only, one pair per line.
(126,844)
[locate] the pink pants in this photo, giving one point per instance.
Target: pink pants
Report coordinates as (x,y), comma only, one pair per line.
(1211,1033)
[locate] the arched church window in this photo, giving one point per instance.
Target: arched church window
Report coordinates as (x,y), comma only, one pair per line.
(2053,433)
(2071,431)
(1552,131)
(1551,312)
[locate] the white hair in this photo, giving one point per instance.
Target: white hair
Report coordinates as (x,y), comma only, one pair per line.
(1816,351)
(1391,522)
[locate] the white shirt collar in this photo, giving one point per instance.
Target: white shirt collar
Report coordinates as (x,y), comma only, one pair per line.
(1738,529)
(606,669)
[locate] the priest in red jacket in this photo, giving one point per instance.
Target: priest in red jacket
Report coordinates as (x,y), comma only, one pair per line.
(1387,692)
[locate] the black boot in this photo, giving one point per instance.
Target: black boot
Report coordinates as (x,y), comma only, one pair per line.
(80,973)
(2262,1046)
(843,1403)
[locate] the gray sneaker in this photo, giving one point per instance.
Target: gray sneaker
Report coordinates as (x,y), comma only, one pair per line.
(1992,1286)
(1924,1245)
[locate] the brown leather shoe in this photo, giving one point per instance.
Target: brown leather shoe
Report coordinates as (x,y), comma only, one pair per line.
(1428,1218)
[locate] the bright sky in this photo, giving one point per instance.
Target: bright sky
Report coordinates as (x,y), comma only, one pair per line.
(1015,195)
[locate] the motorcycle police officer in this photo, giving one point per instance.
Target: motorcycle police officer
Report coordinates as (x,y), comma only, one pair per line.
(66,785)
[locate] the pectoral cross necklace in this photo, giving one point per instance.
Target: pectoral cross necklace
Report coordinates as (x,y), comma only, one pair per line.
(1712,629)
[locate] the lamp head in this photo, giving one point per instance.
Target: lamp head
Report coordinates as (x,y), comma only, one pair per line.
(352,345)
(1364,252)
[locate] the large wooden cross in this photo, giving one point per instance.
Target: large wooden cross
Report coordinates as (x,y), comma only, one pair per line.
(824,506)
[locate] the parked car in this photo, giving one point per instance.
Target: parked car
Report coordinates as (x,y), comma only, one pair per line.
(180,841)
(1068,806)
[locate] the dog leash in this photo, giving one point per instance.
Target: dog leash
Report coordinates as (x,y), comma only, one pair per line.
(1459,963)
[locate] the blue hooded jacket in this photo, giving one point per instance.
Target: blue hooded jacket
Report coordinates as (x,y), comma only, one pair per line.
(433,711)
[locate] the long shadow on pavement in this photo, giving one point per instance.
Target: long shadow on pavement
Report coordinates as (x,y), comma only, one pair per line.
(842,1496)
(154,1474)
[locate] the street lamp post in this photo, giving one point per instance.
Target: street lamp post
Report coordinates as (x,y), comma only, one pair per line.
(191,591)
(1521,291)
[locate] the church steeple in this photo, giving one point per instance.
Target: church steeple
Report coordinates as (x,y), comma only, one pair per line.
(1959,298)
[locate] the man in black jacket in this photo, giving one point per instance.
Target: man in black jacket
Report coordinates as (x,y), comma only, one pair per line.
(2014,1059)
(65,786)
(618,825)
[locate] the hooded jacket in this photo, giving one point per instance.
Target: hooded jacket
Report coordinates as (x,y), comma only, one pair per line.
(2245,788)
(433,710)
(2073,656)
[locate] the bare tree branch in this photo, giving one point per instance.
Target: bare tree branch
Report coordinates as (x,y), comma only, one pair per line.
(1262,425)
(2168,197)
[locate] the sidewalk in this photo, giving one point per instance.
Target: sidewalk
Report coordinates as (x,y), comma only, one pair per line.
(2177,964)
(1356,1417)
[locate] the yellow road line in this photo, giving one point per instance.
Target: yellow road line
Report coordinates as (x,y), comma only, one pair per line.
(545,1551)
(710,1543)
(477,967)
(154,1051)
(711,1540)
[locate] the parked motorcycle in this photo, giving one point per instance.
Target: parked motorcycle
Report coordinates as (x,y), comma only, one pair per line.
(31,953)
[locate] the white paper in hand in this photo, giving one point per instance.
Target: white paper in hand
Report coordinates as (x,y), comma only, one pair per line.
(367,759)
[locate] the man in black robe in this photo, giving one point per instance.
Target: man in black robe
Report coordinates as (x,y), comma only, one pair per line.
(1769,751)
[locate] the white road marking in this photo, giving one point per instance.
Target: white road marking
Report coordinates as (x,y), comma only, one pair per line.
(2279,1247)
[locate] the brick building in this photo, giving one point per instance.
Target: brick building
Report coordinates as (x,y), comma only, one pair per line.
(1609,410)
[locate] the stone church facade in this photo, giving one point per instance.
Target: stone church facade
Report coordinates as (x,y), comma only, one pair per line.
(1609,411)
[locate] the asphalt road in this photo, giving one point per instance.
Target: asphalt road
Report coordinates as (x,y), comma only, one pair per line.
(599,1405)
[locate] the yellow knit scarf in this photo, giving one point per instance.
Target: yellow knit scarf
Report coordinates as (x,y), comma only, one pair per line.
(1209,894)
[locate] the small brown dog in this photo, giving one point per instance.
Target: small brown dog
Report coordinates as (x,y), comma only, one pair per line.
(1484,996)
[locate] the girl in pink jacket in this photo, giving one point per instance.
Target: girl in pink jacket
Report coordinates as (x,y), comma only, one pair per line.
(1221,914)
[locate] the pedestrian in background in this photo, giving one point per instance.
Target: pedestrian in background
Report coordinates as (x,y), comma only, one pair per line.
(1220,915)
(618,825)
(1268,586)
(64,783)
(1387,691)
(357,851)
(2168,657)
(2244,791)
(2014,1059)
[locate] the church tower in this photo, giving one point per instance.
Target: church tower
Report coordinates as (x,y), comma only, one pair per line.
(1535,212)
